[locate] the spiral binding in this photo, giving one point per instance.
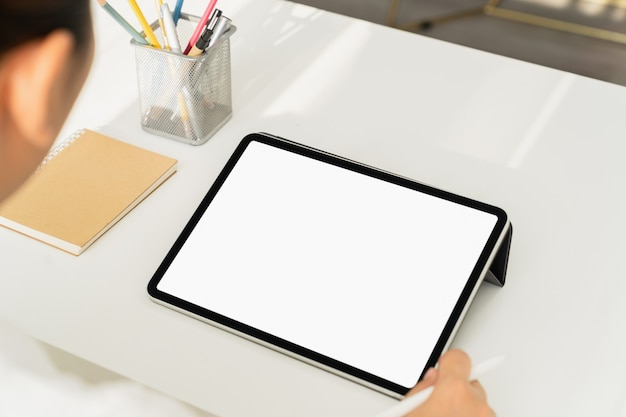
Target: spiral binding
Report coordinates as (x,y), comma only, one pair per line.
(60,148)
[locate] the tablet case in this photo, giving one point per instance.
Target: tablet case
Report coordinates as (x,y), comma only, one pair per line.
(496,275)
(497,271)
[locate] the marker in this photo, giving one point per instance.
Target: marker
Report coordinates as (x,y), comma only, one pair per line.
(201,25)
(215,16)
(144,24)
(408,404)
(170,29)
(115,15)
(177,10)
(222,26)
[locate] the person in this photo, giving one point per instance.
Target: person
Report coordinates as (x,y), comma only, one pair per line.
(453,393)
(46,51)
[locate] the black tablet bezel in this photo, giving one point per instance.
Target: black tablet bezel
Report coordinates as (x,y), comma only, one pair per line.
(301,352)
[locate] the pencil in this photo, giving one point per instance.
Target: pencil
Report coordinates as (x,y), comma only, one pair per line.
(201,25)
(177,10)
(144,24)
(115,15)
(158,4)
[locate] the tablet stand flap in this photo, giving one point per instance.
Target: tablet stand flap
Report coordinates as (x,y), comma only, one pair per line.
(497,271)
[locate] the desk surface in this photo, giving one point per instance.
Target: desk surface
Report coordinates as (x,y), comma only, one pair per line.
(545,145)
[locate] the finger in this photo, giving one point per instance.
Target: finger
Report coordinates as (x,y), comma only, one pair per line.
(479,390)
(456,364)
(430,378)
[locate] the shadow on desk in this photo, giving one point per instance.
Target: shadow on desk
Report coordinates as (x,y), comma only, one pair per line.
(68,386)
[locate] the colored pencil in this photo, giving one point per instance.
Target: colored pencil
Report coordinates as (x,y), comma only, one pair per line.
(201,25)
(115,15)
(147,30)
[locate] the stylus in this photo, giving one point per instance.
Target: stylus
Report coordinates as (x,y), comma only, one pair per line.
(405,406)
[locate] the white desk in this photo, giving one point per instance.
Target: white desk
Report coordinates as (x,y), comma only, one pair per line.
(547,146)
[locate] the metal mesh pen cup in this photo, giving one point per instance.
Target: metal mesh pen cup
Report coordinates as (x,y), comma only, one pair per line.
(184,98)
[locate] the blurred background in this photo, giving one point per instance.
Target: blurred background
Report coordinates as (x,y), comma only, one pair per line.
(585,37)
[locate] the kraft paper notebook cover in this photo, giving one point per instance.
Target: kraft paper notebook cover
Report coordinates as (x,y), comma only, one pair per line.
(82,189)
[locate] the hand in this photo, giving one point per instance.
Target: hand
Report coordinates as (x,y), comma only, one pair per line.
(453,395)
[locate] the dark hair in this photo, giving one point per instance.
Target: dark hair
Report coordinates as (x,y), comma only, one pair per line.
(22,21)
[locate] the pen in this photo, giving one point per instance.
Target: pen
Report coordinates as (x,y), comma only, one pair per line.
(144,24)
(222,27)
(177,10)
(201,25)
(408,404)
(207,33)
(169,29)
(115,15)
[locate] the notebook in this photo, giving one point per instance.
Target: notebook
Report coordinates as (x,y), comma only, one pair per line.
(82,188)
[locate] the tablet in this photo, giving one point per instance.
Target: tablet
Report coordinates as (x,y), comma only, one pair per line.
(355,270)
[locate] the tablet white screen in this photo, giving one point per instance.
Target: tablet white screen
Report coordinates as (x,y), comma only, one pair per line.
(352,267)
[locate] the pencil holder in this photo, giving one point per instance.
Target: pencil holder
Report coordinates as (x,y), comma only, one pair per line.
(184,98)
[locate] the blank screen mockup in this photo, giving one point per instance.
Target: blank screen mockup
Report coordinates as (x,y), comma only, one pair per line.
(355,268)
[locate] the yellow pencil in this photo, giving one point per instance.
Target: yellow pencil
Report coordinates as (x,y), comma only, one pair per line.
(144,24)
(158,4)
